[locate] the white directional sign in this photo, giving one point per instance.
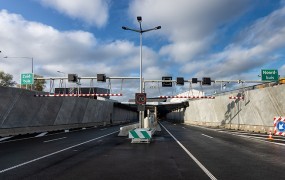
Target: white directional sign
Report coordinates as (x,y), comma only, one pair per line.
(269,75)
(281,126)
(27,78)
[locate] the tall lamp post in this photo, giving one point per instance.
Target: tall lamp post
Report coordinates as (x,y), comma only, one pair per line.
(31,58)
(141,31)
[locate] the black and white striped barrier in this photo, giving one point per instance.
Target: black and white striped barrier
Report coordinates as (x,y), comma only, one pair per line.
(236,97)
(76,95)
(189,97)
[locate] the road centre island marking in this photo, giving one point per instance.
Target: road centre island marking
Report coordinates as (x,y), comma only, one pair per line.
(209,174)
(54,153)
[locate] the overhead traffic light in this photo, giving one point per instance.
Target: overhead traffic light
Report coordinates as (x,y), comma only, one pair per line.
(166,84)
(194,80)
(101,77)
(206,81)
(72,78)
(180,81)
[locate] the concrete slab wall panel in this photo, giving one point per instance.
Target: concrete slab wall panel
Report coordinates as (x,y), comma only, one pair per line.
(21,112)
(254,113)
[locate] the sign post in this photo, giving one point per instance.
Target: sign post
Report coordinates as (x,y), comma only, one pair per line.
(269,75)
(27,78)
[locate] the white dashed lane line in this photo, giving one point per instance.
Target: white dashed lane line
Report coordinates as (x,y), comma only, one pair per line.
(42,134)
(207,136)
(54,139)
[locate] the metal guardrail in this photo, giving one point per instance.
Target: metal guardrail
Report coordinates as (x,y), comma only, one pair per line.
(247,88)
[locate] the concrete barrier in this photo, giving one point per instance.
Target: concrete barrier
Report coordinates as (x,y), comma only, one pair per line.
(254,113)
(21,112)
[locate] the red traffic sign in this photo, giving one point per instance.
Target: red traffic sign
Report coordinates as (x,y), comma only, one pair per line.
(140,98)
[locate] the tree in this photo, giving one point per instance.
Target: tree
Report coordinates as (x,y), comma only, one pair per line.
(39,85)
(6,79)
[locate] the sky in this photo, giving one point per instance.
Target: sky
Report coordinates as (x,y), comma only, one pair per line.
(221,39)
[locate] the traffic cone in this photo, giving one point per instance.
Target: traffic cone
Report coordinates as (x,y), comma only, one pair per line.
(270,136)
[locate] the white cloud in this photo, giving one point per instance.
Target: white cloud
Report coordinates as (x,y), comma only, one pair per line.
(67,51)
(282,71)
(183,51)
(256,48)
(190,26)
(93,12)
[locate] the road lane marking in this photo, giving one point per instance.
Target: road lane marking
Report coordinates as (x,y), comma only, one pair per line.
(54,139)
(103,129)
(207,136)
(5,138)
(54,153)
(183,127)
(209,174)
(260,139)
(42,134)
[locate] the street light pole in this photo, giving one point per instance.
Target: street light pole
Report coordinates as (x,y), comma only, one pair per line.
(141,90)
(141,31)
(32,86)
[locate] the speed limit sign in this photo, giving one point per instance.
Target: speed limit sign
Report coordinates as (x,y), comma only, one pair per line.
(140,98)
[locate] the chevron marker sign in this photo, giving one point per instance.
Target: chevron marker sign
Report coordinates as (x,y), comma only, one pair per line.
(140,134)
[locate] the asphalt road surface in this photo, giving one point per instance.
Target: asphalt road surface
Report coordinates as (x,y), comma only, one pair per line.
(179,151)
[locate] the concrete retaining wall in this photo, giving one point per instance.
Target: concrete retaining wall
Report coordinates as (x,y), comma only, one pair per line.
(21,112)
(255,113)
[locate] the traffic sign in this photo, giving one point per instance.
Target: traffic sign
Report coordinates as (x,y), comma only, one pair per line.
(167,84)
(281,126)
(27,78)
(269,75)
(140,98)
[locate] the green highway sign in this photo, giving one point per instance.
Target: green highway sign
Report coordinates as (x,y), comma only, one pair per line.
(269,75)
(27,78)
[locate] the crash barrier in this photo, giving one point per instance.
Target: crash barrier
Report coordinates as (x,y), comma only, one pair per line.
(237,97)
(75,95)
(189,97)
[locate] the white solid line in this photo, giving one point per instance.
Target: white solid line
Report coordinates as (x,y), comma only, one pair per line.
(207,136)
(42,134)
(54,139)
(5,138)
(210,175)
(183,127)
(51,154)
